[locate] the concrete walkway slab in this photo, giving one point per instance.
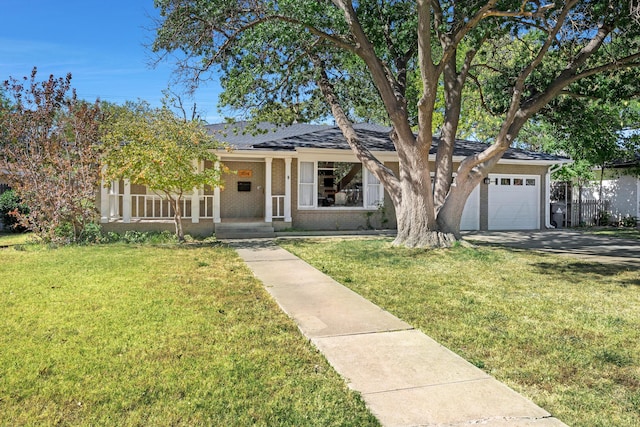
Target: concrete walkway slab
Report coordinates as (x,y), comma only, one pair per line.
(320,305)
(405,377)
(375,363)
(483,402)
(329,309)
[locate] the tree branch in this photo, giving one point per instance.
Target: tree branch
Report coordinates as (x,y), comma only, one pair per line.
(480,91)
(451,43)
(388,87)
(429,74)
(383,173)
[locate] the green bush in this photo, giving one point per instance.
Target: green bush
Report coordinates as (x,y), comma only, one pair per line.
(92,233)
(629,221)
(9,204)
(66,234)
(132,236)
(603,218)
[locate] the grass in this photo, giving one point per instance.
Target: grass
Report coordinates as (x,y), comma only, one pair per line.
(561,331)
(134,335)
(625,233)
(11,239)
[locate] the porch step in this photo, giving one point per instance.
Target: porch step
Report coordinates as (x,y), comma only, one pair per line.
(244,230)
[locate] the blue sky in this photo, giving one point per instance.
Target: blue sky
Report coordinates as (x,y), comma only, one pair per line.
(101,43)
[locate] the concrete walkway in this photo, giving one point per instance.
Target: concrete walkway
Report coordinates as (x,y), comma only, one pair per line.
(405,377)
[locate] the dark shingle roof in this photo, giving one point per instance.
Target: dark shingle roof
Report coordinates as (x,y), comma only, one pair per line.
(631,161)
(376,138)
(241,136)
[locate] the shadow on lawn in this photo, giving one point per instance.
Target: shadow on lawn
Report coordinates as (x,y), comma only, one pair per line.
(578,271)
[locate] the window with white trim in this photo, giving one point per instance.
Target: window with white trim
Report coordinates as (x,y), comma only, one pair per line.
(375,191)
(327,184)
(306,184)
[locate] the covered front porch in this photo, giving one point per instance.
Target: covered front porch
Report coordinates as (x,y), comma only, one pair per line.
(258,190)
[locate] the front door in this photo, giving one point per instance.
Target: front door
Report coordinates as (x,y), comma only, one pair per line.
(243,194)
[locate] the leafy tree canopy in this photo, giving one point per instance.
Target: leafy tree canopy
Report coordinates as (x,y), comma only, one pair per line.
(50,152)
(420,66)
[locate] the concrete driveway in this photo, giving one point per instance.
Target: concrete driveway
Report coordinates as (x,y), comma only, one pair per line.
(574,243)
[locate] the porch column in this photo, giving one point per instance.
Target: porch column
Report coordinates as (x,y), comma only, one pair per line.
(216,200)
(114,204)
(104,199)
(287,189)
(195,206)
(268,199)
(195,198)
(126,202)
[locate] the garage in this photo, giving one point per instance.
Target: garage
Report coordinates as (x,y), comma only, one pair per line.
(514,202)
(471,214)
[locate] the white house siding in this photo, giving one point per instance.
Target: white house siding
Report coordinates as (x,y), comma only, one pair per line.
(621,192)
(471,214)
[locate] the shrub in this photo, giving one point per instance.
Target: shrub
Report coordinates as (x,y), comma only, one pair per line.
(132,236)
(603,218)
(10,204)
(629,221)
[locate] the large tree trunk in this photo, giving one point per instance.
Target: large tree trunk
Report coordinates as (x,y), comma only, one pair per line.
(415,227)
(414,230)
(415,214)
(450,214)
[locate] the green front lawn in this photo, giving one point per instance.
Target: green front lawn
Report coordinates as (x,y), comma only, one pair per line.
(155,335)
(624,233)
(565,333)
(10,239)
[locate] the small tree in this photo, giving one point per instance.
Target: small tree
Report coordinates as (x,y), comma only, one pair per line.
(157,149)
(48,148)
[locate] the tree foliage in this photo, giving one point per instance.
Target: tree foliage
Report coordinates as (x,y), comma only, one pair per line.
(155,148)
(411,64)
(10,209)
(49,150)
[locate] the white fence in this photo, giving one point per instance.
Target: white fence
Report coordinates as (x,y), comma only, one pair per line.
(590,212)
(579,206)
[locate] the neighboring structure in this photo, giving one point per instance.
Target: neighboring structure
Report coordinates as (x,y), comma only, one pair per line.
(620,190)
(306,177)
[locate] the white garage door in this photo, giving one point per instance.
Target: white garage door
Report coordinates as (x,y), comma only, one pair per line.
(471,214)
(514,202)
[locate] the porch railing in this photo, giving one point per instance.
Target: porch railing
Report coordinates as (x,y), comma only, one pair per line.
(206,207)
(152,206)
(277,207)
